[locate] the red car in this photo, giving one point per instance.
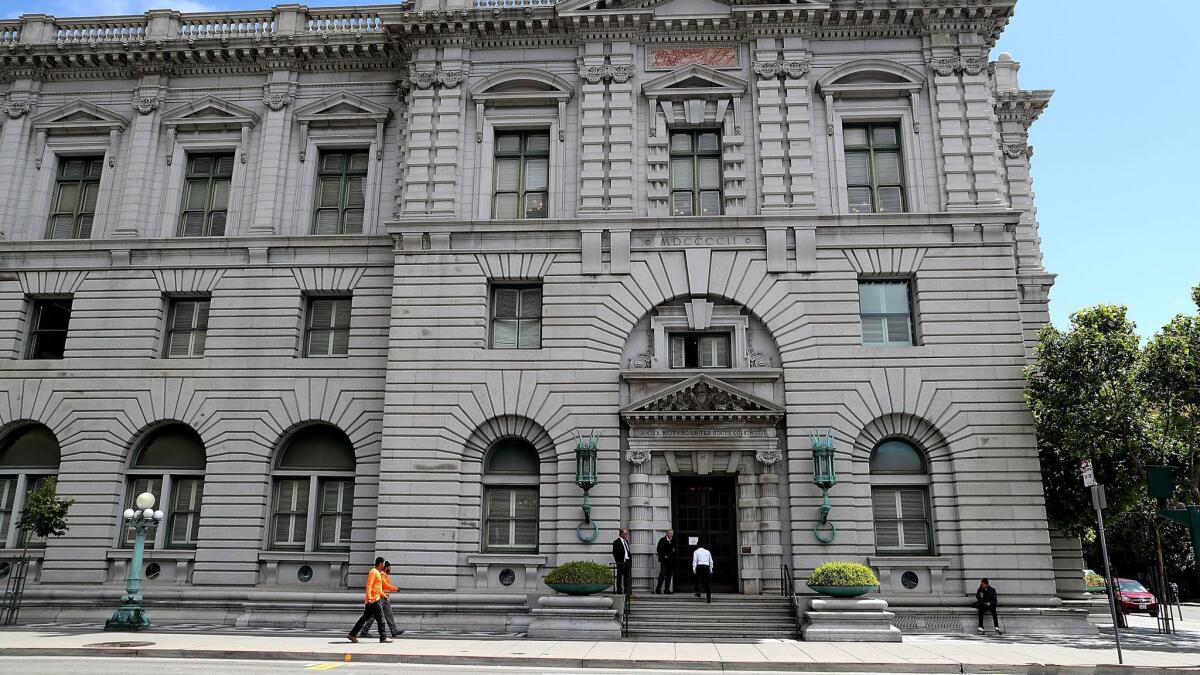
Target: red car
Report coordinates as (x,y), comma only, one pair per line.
(1132,596)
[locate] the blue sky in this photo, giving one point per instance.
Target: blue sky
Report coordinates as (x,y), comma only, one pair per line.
(1114,152)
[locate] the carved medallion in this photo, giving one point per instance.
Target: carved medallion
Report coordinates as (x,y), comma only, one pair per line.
(637,457)
(768,457)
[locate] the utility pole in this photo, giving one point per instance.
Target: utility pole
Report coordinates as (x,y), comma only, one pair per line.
(1099,503)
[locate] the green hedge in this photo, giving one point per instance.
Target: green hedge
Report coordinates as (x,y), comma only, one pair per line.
(1093,580)
(580,572)
(842,574)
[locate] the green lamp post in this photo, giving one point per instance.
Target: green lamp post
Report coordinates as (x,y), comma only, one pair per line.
(1160,484)
(824,477)
(131,615)
(585,478)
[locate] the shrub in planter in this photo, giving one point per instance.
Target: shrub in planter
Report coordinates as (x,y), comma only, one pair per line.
(1094,583)
(843,579)
(580,577)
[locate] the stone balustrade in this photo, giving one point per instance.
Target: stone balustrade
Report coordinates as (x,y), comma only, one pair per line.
(10,33)
(97,31)
(227,25)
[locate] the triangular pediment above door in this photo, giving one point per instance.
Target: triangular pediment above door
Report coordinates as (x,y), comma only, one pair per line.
(701,398)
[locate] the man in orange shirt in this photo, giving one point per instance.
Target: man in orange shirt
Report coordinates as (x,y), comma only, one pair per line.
(371,609)
(385,604)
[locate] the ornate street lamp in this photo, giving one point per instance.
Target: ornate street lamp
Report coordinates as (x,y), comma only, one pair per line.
(130,615)
(824,477)
(585,478)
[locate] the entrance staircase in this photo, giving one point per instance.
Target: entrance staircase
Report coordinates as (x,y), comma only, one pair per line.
(729,616)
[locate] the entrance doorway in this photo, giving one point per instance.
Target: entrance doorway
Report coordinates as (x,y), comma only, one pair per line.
(705,507)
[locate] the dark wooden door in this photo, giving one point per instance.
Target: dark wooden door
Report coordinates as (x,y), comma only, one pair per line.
(706,507)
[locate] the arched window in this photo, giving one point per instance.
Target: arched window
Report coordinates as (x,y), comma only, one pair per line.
(314,474)
(169,464)
(900,499)
(29,454)
(510,497)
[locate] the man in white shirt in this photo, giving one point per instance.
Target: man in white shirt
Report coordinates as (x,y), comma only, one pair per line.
(702,567)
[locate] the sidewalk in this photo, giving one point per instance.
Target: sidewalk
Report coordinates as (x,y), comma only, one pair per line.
(1144,653)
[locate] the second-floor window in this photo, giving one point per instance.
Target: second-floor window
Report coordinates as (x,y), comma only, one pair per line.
(696,173)
(885,308)
(48,328)
(516,317)
(700,350)
(341,197)
(327,326)
(187,327)
(874,175)
(75,190)
(522,175)
(206,196)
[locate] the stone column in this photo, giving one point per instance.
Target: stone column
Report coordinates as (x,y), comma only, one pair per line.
(278,94)
(140,158)
(641,529)
(770,546)
(750,564)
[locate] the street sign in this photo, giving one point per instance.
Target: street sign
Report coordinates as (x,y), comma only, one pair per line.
(1089,476)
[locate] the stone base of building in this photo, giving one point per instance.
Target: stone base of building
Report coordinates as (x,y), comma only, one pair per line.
(1013,620)
(571,617)
(849,620)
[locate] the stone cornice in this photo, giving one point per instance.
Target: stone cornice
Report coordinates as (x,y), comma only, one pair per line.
(1023,106)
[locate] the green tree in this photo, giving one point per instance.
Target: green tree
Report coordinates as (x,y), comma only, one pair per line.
(1171,379)
(45,514)
(1088,403)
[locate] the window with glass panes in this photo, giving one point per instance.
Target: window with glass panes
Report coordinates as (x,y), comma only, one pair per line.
(885,308)
(511,517)
(206,195)
(521,184)
(8,498)
(696,173)
(138,485)
(29,456)
(341,181)
(187,327)
(183,530)
(874,174)
(289,513)
(336,514)
(75,190)
(29,537)
(901,520)
(516,317)
(327,326)
(700,350)
(50,318)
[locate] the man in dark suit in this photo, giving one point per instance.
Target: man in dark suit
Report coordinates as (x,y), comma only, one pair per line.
(624,561)
(666,564)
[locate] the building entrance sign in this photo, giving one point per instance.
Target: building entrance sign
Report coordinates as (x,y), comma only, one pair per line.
(704,508)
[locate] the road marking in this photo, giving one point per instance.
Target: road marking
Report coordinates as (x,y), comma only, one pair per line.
(324,666)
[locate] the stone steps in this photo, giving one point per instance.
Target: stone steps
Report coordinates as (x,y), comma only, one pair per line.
(726,617)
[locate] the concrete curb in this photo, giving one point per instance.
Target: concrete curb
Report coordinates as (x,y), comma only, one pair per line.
(584,663)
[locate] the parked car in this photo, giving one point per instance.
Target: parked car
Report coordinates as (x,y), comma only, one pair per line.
(1132,596)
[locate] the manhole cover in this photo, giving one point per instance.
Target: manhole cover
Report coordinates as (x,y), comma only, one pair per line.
(120,644)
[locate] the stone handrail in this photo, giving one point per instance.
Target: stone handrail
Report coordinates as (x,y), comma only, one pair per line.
(343,21)
(100,30)
(227,25)
(10,32)
(514,3)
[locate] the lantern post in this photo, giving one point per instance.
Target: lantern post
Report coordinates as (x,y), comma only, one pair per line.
(824,477)
(585,478)
(131,615)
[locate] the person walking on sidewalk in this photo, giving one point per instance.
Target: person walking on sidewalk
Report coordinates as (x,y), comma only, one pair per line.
(702,568)
(623,559)
(371,608)
(666,564)
(385,605)
(985,601)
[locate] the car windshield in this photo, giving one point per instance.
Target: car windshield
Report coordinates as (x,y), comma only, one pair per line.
(1133,586)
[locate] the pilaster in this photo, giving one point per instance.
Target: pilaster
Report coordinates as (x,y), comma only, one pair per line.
(140,156)
(14,139)
(431,176)
(950,114)
(784,117)
(278,94)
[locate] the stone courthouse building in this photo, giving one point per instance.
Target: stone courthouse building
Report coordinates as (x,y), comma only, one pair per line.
(339,282)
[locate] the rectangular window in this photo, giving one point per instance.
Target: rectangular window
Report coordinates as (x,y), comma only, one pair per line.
(511,519)
(696,173)
(521,184)
(874,171)
(341,197)
(289,513)
(885,308)
(700,350)
(8,497)
(184,527)
(136,486)
(901,520)
(337,514)
(48,328)
(516,317)
(327,326)
(187,327)
(206,195)
(75,190)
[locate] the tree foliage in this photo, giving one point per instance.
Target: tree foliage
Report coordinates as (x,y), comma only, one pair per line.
(1087,403)
(44,513)
(1171,379)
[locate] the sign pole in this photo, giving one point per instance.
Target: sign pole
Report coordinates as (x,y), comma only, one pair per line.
(1098,502)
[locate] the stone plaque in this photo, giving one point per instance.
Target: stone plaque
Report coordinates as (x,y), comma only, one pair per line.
(665,58)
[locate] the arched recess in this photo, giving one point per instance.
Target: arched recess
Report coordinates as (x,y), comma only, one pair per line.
(699,333)
(168,460)
(312,490)
(511,460)
(870,70)
(901,466)
(29,454)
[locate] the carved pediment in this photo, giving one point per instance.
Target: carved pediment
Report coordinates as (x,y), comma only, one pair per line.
(209,113)
(79,117)
(702,399)
(695,81)
(517,86)
(343,109)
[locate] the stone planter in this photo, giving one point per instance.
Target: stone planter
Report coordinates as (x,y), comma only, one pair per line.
(575,618)
(849,620)
(579,589)
(843,591)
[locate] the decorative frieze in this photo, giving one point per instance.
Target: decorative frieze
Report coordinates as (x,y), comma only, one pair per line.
(664,58)
(606,73)
(768,70)
(950,65)
(437,78)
